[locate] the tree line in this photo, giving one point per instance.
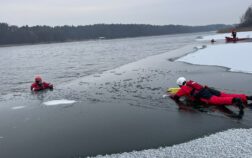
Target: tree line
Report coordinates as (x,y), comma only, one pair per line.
(10,34)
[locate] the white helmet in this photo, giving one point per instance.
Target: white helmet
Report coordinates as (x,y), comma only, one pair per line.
(181,81)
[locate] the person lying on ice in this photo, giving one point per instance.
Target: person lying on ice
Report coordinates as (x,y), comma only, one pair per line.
(196,92)
(38,85)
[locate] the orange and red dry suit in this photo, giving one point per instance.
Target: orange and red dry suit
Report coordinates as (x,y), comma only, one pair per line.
(37,87)
(195,91)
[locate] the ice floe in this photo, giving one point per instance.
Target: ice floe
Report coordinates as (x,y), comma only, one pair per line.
(17,107)
(236,56)
(58,102)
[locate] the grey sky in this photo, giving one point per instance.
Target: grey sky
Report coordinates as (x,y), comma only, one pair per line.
(157,12)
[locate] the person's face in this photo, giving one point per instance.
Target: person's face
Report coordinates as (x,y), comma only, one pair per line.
(39,82)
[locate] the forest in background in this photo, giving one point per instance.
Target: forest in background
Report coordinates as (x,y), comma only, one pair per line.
(10,34)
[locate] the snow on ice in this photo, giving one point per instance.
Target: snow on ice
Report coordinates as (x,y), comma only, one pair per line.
(236,56)
(58,102)
(230,143)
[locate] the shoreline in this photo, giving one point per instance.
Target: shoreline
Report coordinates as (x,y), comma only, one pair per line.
(41,43)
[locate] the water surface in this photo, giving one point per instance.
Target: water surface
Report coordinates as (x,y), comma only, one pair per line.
(116,89)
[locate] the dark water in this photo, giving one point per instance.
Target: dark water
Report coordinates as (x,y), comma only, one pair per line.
(119,104)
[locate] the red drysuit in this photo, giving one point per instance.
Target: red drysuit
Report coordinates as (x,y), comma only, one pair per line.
(194,91)
(37,87)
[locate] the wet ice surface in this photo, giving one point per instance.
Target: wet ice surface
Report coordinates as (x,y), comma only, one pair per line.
(231,143)
(119,110)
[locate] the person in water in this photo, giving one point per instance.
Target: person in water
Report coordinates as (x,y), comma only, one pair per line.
(234,34)
(196,92)
(39,85)
(212,41)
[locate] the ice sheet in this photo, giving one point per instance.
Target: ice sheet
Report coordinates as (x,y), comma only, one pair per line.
(236,56)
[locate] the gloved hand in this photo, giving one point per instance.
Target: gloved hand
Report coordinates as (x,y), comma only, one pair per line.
(51,86)
(174,97)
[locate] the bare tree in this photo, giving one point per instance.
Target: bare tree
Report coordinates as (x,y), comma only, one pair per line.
(246,19)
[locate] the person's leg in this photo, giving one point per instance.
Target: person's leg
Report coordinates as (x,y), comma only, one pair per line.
(249,97)
(243,97)
(238,103)
(214,100)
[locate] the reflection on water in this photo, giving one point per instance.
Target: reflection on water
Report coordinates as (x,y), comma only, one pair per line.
(214,110)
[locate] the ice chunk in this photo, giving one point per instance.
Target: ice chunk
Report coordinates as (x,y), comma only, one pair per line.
(58,102)
(17,107)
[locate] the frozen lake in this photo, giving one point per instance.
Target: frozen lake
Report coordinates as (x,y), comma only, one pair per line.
(107,97)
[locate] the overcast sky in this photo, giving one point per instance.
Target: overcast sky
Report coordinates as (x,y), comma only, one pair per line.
(157,12)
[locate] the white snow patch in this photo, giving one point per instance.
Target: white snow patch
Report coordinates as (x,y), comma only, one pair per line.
(17,107)
(236,56)
(58,102)
(230,143)
(247,34)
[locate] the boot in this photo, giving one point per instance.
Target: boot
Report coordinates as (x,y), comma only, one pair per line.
(249,97)
(238,103)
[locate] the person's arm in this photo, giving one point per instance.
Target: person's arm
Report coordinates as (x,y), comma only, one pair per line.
(50,86)
(179,94)
(47,85)
(175,97)
(34,88)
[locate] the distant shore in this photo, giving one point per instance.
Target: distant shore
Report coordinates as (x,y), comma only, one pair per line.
(241,29)
(24,44)
(11,34)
